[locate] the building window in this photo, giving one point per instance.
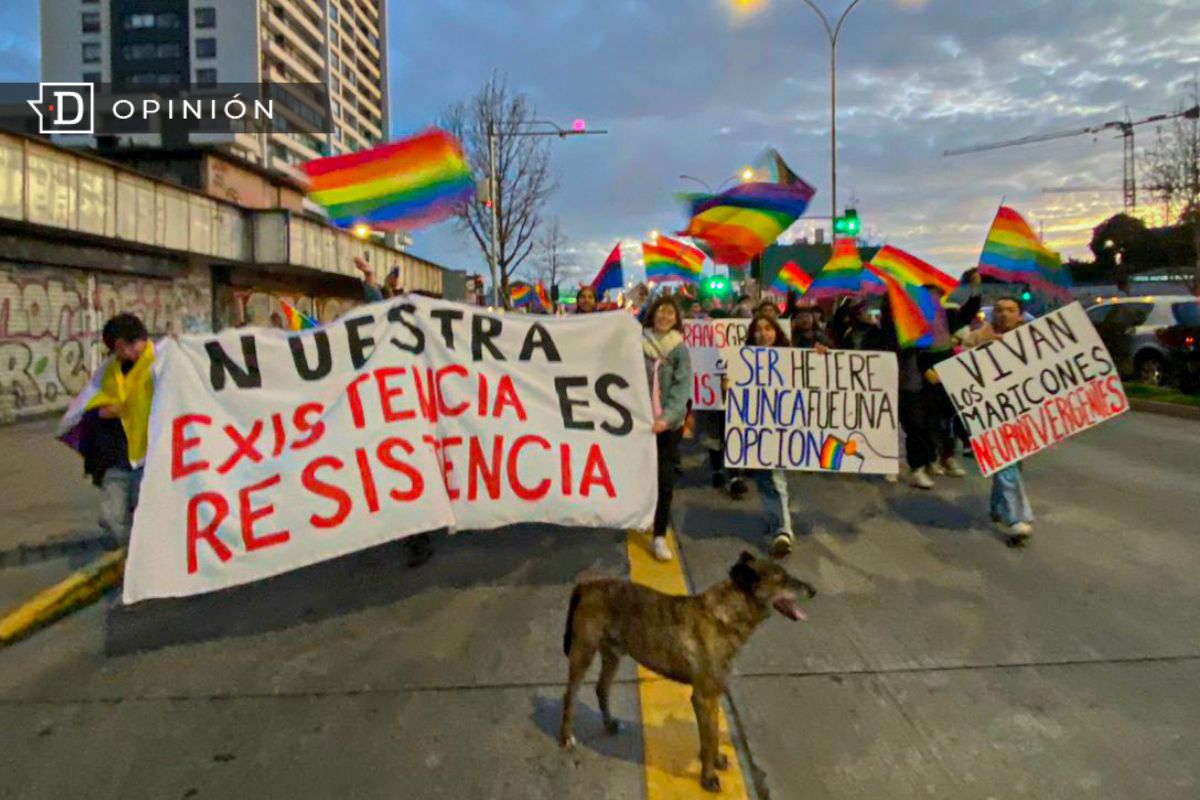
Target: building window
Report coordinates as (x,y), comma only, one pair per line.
(206,18)
(137,52)
(134,22)
(168,21)
(335,63)
(168,79)
(206,77)
(206,48)
(91,52)
(333,13)
(91,22)
(337,110)
(170,50)
(91,77)
(335,85)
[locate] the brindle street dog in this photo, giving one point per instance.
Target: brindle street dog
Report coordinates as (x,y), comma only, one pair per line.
(689,639)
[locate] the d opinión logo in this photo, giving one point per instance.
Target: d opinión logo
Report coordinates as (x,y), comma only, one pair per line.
(65,108)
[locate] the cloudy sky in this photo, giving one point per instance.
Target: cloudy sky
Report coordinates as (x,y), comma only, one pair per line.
(700,87)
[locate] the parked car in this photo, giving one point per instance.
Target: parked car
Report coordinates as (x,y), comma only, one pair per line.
(1143,334)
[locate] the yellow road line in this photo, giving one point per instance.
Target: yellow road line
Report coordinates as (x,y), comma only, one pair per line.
(80,589)
(672,742)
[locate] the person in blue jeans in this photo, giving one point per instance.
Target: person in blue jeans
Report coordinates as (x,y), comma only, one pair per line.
(765,331)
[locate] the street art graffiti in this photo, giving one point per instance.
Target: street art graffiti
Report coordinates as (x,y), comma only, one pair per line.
(241,307)
(50,322)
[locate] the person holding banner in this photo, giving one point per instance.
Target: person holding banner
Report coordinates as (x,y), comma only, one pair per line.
(585,301)
(944,324)
(109,422)
(669,373)
(772,484)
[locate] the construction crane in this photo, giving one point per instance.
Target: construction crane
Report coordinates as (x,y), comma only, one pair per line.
(1125,126)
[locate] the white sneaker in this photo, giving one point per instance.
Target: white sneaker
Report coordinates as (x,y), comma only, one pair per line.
(920,478)
(936,469)
(892,478)
(662,550)
(1021,529)
(951,468)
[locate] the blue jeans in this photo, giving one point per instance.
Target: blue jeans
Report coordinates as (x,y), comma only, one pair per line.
(1009,503)
(773,489)
(119,490)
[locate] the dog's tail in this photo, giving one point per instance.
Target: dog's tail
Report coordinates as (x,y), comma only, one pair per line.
(570,632)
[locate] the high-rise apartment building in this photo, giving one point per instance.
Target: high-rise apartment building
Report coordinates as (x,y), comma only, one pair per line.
(149,45)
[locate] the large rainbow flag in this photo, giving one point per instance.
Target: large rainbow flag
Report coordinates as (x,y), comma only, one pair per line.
(668,259)
(792,278)
(913,309)
(910,270)
(1014,254)
(844,274)
(739,223)
(297,320)
(407,184)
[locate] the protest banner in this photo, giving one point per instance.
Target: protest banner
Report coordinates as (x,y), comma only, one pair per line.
(797,409)
(705,338)
(1042,382)
(274,450)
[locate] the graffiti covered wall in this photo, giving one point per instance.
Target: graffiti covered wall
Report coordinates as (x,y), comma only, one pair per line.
(50,322)
(237,307)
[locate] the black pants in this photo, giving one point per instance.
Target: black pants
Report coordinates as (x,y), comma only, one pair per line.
(919,420)
(937,398)
(668,460)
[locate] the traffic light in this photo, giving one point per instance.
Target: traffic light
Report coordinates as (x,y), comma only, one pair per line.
(1026,296)
(848,224)
(717,286)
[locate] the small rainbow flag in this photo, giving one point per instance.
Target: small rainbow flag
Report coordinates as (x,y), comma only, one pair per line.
(913,310)
(843,274)
(524,295)
(297,320)
(543,297)
(668,259)
(834,450)
(1014,254)
(910,270)
(792,278)
(407,184)
(611,275)
(739,223)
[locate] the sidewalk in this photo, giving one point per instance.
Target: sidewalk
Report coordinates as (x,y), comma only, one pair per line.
(44,495)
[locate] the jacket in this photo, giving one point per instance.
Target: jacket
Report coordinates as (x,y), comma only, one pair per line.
(669,371)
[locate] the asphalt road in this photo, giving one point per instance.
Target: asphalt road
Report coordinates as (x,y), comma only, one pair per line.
(936,663)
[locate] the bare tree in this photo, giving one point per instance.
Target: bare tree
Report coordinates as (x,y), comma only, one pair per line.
(1173,169)
(523,179)
(552,252)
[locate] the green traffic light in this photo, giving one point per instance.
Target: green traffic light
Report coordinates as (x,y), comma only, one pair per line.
(847,225)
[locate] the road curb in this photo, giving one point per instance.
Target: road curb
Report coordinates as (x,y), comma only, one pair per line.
(1166,409)
(79,590)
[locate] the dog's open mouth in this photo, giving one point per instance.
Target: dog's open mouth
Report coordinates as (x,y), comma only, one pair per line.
(786,604)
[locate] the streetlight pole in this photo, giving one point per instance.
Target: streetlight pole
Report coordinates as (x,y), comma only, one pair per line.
(833,31)
(494,183)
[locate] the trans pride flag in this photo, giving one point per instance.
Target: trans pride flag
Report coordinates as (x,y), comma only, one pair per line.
(668,259)
(1014,254)
(739,223)
(404,185)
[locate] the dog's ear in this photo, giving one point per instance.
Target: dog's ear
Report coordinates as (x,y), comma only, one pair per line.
(743,575)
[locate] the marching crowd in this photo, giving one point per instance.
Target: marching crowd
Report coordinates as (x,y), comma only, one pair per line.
(111,429)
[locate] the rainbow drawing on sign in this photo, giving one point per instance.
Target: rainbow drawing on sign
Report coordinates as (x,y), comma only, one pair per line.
(834,450)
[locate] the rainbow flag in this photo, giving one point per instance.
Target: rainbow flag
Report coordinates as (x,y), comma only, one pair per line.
(543,297)
(910,270)
(792,278)
(834,450)
(844,274)
(671,260)
(524,295)
(913,310)
(407,184)
(611,275)
(296,319)
(739,223)
(1014,254)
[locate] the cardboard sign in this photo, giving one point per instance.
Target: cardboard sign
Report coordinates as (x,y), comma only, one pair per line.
(705,339)
(273,450)
(797,409)
(1041,383)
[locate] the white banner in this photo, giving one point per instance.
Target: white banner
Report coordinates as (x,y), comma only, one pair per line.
(797,409)
(705,338)
(273,450)
(1044,381)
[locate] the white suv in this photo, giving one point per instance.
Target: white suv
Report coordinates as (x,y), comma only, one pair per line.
(1131,328)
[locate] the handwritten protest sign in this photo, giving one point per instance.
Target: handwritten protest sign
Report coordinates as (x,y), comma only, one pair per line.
(797,409)
(274,450)
(1044,381)
(705,338)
